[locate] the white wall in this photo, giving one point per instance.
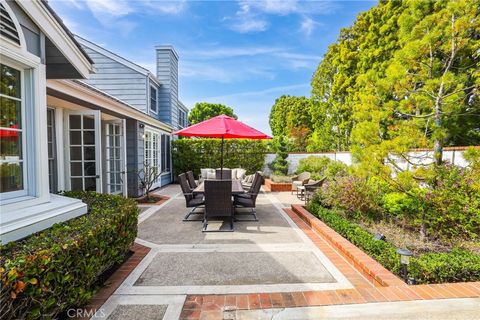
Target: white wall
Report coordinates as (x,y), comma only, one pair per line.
(416,157)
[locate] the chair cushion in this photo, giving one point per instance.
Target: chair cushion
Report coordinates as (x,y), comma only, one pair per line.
(197,201)
(244,202)
(234,174)
(211,175)
(241,173)
(244,195)
(204,171)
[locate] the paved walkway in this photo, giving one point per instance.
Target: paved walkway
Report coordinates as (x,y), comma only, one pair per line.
(271,266)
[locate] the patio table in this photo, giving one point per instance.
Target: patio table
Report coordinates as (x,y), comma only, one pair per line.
(236,188)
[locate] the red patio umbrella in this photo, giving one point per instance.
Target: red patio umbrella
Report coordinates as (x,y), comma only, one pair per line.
(224,127)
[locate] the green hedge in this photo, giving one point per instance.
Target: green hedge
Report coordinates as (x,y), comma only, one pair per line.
(194,154)
(55,269)
(455,266)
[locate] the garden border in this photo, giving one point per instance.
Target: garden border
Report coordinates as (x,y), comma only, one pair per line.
(271,186)
(359,259)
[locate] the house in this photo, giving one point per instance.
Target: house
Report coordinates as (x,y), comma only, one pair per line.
(35,47)
(62,128)
(155,96)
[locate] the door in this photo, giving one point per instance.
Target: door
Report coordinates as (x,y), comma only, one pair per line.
(83,145)
(115,171)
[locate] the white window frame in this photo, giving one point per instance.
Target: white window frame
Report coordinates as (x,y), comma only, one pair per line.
(28,151)
(150,99)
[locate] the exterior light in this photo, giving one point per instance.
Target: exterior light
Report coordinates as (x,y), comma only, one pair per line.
(405,255)
(379,236)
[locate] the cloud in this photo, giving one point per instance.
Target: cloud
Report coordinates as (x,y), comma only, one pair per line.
(168,7)
(251,15)
(258,93)
(231,52)
(308,25)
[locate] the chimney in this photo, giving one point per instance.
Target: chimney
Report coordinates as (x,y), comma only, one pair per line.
(167,73)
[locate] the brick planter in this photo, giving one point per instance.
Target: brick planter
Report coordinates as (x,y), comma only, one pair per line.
(276,186)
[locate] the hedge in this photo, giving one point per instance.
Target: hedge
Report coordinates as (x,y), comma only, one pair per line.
(456,266)
(53,270)
(194,154)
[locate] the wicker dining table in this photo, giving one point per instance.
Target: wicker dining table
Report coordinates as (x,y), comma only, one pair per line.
(236,188)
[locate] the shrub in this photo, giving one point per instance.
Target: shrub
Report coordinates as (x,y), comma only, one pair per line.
(321,167)
(453,202)
(455,266)
(194,154)
(52,270)
(359,197)
(400,205)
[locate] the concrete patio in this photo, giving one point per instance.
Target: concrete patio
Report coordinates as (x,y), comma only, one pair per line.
(273,256)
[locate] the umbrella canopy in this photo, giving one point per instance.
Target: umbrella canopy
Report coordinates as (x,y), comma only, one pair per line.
(224,127)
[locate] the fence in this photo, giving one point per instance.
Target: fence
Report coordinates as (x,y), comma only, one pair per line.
(453,155)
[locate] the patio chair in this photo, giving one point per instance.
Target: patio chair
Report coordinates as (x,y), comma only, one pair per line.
(249,199)
(218,202)
(191,180)
(300,180)
(227,174)
(191,200)
(311,188)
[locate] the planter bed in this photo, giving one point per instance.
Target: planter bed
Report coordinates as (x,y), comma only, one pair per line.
(277,186)
(350,239)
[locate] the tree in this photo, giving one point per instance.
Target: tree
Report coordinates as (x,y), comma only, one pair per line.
(279,165)
(290,117)
(205,110)
(147,177)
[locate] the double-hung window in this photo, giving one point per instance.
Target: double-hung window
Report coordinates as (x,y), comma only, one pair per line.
(153,99)
(13,172)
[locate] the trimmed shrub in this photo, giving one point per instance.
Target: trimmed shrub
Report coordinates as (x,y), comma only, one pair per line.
(455,266)
(321,167)
(55,269)
(194,154)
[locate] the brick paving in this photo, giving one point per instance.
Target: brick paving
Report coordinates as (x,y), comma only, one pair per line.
(372,282)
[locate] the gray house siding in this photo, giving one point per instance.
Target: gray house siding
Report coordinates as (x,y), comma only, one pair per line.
(135,154)
(167,73)
(118,80)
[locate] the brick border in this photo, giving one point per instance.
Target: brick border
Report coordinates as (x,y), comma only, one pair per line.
(271,186)
(117,278)
(222,306)
(363,262)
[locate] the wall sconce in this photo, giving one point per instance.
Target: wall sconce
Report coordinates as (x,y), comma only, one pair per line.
(405,255)
(141,125)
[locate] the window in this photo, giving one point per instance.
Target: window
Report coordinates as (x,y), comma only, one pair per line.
(151,149)
(153,99)
(165,153)
(12,136)
(182,119)
(52,155)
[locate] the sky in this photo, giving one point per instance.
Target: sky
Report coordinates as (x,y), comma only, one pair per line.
(244,54)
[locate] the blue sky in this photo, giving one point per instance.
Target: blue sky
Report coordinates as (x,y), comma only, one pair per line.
(241,53)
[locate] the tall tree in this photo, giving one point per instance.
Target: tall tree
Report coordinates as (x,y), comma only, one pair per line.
(205,110)
(290,117)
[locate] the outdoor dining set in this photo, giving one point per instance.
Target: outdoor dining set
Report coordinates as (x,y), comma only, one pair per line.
(220,197)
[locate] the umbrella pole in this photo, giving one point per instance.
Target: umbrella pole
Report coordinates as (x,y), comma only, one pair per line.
(221,163)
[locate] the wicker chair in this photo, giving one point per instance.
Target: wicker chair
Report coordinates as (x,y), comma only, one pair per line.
(191,200)
(218,202)
(249,199)
(227,174)
(311,187)
(300,180)
(191,180)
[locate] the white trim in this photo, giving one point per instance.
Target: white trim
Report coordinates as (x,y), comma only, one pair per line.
(17,224)
(150,99)
(89,94)
(49,25)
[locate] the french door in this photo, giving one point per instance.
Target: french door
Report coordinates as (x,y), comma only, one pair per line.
(83,150)
(115,170)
